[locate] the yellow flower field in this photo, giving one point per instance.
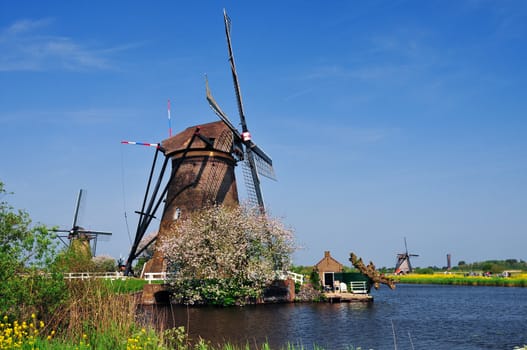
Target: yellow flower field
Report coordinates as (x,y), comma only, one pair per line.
(516,280)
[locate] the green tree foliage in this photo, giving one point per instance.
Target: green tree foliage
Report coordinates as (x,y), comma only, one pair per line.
(424,270)
(493,266)
(223,255)
(314,277)
(28,284)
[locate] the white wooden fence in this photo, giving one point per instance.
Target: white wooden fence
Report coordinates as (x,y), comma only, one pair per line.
(358,287)
(155,276)
(89,275)
(162,276)
(296,277)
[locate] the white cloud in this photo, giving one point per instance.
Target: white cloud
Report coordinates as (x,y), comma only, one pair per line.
(22,26)
(27,48)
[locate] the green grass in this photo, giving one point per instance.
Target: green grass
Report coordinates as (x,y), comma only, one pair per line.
(129,285)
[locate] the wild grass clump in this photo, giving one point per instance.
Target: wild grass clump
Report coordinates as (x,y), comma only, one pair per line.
(94,309)
(92,316)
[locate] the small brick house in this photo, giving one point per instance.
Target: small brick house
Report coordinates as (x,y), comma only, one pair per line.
(327,267)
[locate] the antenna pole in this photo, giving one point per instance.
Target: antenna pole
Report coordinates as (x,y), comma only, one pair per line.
(169,120)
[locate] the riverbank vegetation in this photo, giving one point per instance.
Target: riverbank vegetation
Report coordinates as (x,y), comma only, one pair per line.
(40,309)
(517,280)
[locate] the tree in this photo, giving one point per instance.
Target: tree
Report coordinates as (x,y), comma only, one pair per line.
(104,263)
(314,277)
(226,255)
(26,253)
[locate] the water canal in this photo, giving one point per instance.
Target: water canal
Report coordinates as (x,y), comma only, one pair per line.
(423,317)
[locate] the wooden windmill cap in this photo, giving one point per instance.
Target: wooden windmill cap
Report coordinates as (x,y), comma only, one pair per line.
(215,131)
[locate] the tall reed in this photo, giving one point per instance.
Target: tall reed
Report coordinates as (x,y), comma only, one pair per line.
(92,309)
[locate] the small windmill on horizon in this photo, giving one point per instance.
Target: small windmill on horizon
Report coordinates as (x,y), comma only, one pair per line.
(403,265)
(79,233)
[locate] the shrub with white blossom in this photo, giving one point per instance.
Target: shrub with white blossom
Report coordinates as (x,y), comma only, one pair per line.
(225,255)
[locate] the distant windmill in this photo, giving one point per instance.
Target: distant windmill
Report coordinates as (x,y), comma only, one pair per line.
(403,265)
(77,232)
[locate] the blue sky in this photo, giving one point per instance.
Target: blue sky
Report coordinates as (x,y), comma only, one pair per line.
(384,119)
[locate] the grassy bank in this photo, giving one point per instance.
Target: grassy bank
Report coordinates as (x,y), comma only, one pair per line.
(460,279)
(129,285)
(32,335)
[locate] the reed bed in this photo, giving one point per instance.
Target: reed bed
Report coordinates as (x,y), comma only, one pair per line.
(96,313)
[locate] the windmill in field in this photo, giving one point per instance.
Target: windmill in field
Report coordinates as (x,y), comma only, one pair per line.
(403,265)
(203,160)
(77,233)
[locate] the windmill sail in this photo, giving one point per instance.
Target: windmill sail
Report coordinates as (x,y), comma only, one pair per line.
(263,167)
(263,163)
(233,71)
(252,151)
(77,206)
(216,108)
(252,197)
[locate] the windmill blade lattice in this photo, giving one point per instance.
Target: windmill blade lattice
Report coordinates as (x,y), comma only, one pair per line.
(264,168)
(252,197)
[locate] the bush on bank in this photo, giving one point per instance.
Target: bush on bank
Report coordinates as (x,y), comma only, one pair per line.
(225,255)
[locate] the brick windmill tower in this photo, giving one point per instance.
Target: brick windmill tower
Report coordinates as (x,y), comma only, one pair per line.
(203,162)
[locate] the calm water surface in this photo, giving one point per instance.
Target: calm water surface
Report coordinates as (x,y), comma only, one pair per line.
(423,317)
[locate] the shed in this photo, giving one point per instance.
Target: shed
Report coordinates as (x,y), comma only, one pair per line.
(327,267)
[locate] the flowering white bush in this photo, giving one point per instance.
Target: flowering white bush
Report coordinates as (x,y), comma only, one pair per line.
(104,263)
(225,255)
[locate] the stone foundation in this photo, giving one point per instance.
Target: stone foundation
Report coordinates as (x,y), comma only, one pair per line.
(280,292)
(155,294)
